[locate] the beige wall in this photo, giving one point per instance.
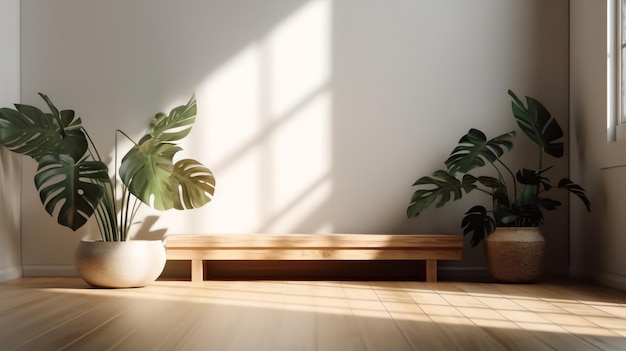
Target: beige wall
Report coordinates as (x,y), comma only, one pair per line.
(315,115)
(598,239)
(10,262)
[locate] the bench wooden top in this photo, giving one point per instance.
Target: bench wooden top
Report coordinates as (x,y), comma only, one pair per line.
(319,241)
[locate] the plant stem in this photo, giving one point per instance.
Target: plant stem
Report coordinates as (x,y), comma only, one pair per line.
(127,137)
(126,214)
(540,166)
(512,176)
(136,206)
(106,216)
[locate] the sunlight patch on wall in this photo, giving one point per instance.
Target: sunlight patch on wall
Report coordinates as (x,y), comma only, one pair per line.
(298,61)
(299,56)
(301,166)
(231,103)
(265,117)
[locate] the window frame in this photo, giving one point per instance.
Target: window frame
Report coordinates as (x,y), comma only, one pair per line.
(616,104)
(611,154)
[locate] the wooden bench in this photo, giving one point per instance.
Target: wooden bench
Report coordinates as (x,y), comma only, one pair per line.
(198,248)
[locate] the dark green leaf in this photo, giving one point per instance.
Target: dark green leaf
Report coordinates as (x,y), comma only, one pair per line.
(474,150)
(528,176)
(67,117)
(70,191)
(537,123)
(490,182)
(532,177)
(506,216)
(519,216)
(548,204)
(576,190)
(28,131)
(501,197)
(53,109)
(443,187)
(528,195)
(479,223)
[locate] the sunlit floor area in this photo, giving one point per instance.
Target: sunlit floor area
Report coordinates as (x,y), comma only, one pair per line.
(65,314)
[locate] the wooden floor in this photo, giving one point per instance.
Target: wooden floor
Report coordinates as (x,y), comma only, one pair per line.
(64,314)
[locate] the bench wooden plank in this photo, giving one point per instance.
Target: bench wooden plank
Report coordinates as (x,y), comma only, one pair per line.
(429,247)
(311,254)
(315,240)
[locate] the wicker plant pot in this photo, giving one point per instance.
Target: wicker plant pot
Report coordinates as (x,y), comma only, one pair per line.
(125,264)
(515,255)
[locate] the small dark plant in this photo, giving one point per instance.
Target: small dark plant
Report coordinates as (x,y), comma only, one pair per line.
(518,203)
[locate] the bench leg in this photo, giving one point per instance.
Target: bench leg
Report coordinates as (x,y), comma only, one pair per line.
(197,271)
(431,271)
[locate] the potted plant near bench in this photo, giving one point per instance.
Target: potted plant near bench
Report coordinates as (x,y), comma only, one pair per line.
(74,185)
(514,244)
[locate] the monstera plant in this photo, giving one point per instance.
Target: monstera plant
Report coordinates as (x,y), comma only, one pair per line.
(518,199)
(74,184)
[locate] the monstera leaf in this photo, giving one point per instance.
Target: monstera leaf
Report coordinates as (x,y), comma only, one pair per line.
(146,172)
(531,177)
(444,187)
(538,124)
(70,191)
(28,131)
(491,182)
(524,216)
(176,125)
(479,223)
(474,150)
(576,190)
(153,178)
(196,184)
(149,172)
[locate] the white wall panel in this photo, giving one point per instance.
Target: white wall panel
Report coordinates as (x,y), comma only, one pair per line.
(315,115)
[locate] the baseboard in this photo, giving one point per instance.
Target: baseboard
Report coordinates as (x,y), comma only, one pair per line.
(612,280)
(10,273)
(49,270)
(481,273)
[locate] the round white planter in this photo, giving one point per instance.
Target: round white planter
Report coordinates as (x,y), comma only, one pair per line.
(515,255)
(125,264)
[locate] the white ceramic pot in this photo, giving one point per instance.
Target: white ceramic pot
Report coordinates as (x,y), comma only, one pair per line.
(515,255)
(125,264)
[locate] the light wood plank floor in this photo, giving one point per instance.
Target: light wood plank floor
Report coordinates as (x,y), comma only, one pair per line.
(65,314)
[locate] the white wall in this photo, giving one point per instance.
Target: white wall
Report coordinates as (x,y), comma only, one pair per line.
(598,240)
(315,115)
(10,261)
